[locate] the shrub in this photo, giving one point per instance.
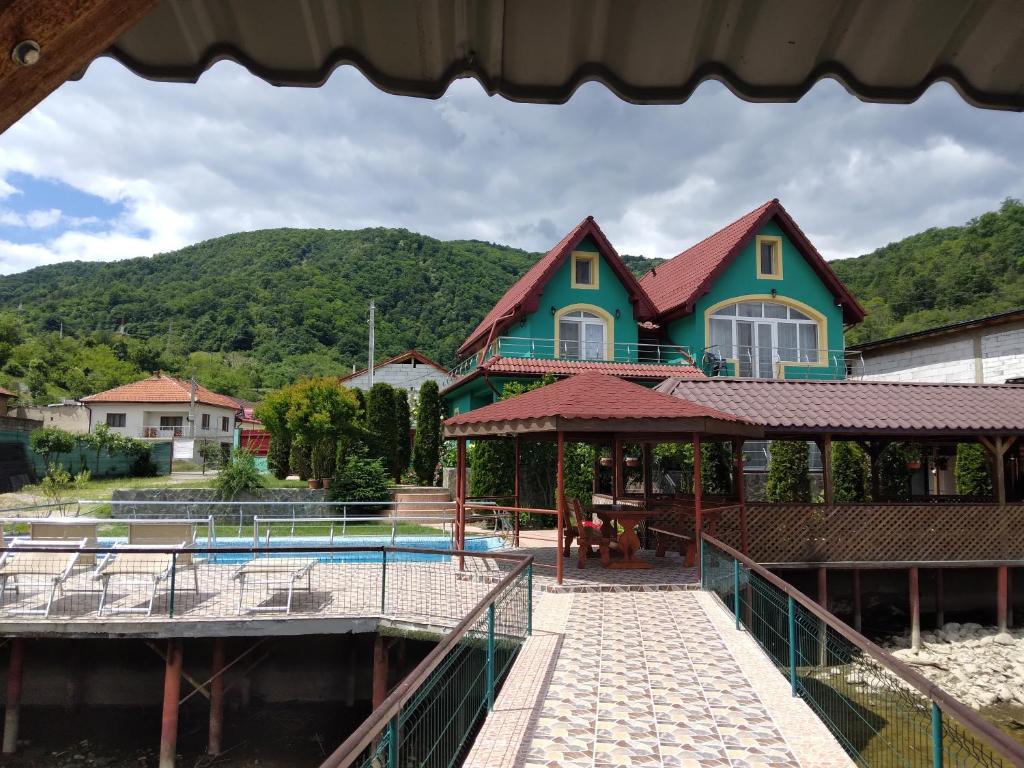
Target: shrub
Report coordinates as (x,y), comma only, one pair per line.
(361,479)
(426,448)
(278,455)
(211,453)
(971,471)
(322,457)
(382,427)
(715,467)
(299,459)
(403,426)
(788,472)
(98,440)
(239,475)
(850,467)
(893,475)
(47,442)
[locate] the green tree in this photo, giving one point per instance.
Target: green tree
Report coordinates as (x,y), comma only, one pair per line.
(849,471)
(298,459)
(99,440)
(893,473)
(211,454)
(788,472)
(403,423)
(715,467)
(426,449)
(382,427)
(361,478)
(239,475)
(273,414)
(493,470)
(320,412)
(48,442)
(971,471)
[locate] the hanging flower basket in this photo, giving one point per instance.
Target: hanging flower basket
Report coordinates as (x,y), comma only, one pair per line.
(606,461)
(632,461)
(913,465)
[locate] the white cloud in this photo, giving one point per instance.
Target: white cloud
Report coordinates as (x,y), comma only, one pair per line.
(189,162)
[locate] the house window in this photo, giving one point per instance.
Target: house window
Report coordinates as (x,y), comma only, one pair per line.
(584,270)
(769,258)
(115,419)
(223,423)
(205,421)
(758,335)
(582,335)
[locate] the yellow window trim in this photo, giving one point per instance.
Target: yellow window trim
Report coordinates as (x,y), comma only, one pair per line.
(780,367)
(776,273)
(609,324)
(595,270)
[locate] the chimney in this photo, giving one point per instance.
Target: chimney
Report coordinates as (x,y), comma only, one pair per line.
(156,373)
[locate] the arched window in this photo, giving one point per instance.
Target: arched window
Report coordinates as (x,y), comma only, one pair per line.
(761,334)
(582,335)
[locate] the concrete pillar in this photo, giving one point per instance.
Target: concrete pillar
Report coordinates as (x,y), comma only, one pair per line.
(940,599)
(914,584)
(172,692)
(13,712)
(216,737)
(1002,596)
(857,619)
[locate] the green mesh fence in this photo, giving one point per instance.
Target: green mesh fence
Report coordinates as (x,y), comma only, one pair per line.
(435,726)
(880,718)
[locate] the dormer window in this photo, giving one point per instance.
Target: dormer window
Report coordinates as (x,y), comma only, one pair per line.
(769,258)
(584,270)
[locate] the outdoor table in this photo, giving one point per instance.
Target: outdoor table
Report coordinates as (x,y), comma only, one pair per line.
(628,516)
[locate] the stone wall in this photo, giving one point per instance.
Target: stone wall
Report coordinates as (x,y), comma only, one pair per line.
(172,503)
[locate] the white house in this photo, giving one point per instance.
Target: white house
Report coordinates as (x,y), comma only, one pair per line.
(406,371)
(163,408)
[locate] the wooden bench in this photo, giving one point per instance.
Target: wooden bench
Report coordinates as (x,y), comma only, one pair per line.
(683,538)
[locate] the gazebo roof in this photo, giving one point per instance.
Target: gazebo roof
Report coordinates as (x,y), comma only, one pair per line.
(595,402)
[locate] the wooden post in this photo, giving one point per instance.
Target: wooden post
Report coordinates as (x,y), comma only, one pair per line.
(915,608)
(596,482)
(648,472)
(1009,597)
(460,497)
(172,690)
(940,600)
(698,515)
(856,600)
(515,492)
(216,738)
(380,672)
(12,713)
(560,506)
(740,489)
(997,448)
(1002,595)
(618,479)
(825,446)
(822,626)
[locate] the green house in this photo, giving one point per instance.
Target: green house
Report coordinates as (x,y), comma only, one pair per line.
(755,299)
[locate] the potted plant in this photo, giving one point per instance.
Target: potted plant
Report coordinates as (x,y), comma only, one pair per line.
(632,461)
(606,461)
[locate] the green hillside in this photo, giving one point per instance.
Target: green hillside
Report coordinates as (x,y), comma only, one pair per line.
(940,276)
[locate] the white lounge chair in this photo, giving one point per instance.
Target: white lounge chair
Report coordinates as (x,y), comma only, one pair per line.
(34,563)
(270,572)
(149,569)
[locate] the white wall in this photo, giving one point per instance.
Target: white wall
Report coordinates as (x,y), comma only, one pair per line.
(401,375)
(139,415)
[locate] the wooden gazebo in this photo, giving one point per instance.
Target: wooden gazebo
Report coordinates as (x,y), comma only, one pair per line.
(593,408)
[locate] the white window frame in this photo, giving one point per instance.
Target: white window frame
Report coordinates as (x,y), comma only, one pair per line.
(750,366)
(583,318)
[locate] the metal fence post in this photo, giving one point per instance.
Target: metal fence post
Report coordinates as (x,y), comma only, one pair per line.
(490,657)
(736,591)
(383,578)
(529,599)
(174,570)
(936,736)
(791,609)
(393,741)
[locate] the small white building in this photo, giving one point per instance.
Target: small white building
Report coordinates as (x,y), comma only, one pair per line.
(407,371)
(989,350)
(164,408)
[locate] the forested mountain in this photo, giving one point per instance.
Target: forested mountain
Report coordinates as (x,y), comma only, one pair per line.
(256,310)
(940,276)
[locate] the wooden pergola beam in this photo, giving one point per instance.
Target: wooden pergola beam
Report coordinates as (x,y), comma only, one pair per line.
(44,42)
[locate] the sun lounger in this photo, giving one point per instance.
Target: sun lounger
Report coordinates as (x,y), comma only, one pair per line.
(34,563)
(271,572)
(147,569)
(56,529)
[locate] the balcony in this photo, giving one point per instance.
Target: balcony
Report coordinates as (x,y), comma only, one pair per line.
(768,362)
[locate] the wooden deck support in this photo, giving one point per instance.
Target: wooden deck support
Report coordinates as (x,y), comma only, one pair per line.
(169,719)
(460,497)
(914,585)
(12,713)
(515,489)
(618,476)
(648,461)
(740,489)
(698,515)
(1002,596)
(215,742)
(380,671)
(825,446)
(560,506)
(940,599)
(822,626)
(857,606)
(997,448)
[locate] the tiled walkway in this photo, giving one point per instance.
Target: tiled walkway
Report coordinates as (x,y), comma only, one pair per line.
(658,678)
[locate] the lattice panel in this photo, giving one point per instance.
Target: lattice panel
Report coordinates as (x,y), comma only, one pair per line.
(819,533)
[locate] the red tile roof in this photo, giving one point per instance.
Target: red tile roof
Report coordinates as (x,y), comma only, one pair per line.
(409,354)
(590,396)
(675,286)
(160,388)
(523,297)
(499,365)
(6,393)
(861,407)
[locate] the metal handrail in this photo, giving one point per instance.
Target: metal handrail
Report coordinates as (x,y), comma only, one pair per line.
(365,734)
(998,740)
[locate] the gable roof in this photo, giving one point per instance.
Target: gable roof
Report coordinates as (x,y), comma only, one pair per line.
(961,326)
(524,296)
(409,354)
(594,402)
(675,286)
(160,388)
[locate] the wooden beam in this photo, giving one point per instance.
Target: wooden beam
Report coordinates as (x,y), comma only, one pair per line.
(740,490)
(560,506)
(698,515)
(825,446)
(54,39)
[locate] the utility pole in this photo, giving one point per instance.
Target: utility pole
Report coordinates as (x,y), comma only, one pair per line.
(192,407)
(369,368)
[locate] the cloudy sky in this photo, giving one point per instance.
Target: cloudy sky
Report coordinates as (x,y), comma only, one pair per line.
(114,166)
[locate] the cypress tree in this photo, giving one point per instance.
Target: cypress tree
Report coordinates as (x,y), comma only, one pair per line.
(972,476)
(788,472)
(403,426)
(382,426)
(849,471)
(426,449)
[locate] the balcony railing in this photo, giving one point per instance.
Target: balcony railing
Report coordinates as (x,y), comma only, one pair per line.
(165,432)
(529,348)
(763,362)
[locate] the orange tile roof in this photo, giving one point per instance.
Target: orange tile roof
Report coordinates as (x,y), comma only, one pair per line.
(675,286)
(160,388)
(6,393)
(498,365)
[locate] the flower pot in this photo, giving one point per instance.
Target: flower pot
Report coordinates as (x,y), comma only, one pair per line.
(313,483)
(913,465)
(606,461)
(325,483)
(632,461)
